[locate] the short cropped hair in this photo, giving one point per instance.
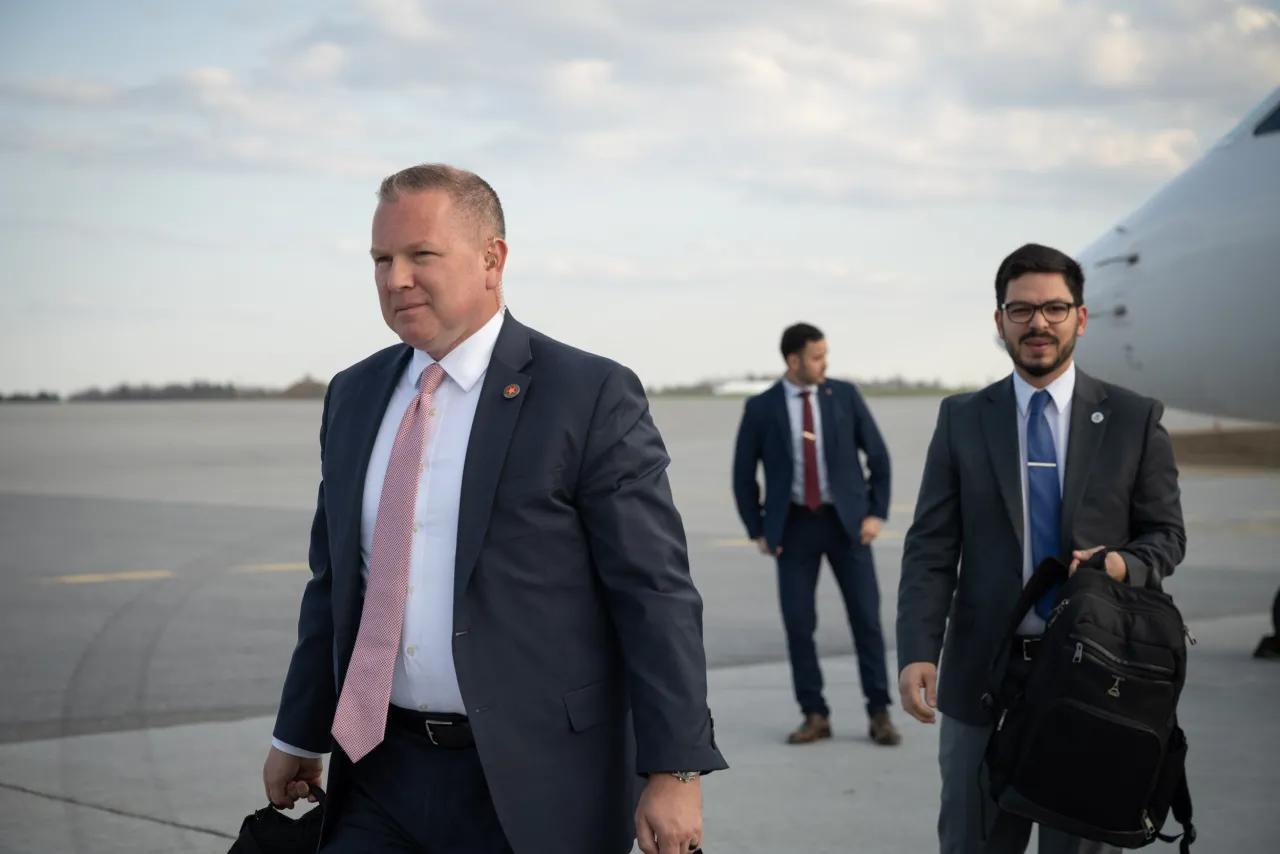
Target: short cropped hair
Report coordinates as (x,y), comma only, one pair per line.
(795,338)
(470,193)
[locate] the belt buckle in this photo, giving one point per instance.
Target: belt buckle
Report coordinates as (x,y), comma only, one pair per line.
(431,734)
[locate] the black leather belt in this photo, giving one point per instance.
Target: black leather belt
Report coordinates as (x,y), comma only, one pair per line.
(444,730)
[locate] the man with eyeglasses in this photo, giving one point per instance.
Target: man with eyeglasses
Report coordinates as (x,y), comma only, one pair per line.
(1047,461)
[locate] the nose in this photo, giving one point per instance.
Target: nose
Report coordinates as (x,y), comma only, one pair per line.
(399,275)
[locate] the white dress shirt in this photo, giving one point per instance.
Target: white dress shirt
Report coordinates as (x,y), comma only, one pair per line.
(1058,414)
(425,678)
(795,411)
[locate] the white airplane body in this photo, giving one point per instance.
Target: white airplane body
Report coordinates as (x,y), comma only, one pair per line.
(1184,293)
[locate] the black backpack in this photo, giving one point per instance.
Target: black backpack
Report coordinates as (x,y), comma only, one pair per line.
(1090,744)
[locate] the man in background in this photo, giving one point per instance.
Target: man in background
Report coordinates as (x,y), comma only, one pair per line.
(807,430)
(500,643)
(1046,462)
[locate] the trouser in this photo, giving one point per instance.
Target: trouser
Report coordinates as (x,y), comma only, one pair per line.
(809,535)
(408,796)
(966,802)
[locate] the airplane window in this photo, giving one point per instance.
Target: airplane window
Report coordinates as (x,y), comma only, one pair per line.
(1271,124)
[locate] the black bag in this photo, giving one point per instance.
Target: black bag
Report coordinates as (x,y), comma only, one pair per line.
(1090,744)
(270,831)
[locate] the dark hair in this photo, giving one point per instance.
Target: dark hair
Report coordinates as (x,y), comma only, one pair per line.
(1034,258)
(796,338)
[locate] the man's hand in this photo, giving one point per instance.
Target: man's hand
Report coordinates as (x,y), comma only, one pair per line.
(1114,564)
(669,816)
(763,545)
(871,529)
(288,777)
(922,675)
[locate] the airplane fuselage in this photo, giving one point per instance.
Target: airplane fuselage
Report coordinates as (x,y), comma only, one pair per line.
(1184,294)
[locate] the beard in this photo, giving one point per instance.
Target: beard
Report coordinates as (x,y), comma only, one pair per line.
(1040,369)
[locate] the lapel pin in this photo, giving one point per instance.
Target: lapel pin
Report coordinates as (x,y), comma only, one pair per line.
(513,389)
(1096,418)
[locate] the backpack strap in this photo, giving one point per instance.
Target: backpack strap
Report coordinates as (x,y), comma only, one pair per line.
(1051,571)
(1181,809)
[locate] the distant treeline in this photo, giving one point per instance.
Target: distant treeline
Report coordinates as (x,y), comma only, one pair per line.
(305,389)
(892,386)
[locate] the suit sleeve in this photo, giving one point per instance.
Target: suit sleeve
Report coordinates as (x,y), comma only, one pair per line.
(872,444)
(637,542)
(930,554)
(309,698)
(1155,510)
(746,459)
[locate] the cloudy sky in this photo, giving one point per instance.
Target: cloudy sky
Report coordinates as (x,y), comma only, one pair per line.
(188,187)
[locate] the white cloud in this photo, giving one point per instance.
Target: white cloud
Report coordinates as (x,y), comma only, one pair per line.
(859,100)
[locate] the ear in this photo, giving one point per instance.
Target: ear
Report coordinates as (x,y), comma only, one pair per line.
(999,319)
(1082,314)
(495,260)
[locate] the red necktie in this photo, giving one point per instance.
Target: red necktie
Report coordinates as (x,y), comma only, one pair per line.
(812,492)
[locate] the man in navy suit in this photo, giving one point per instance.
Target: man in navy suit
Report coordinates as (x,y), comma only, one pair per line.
(500,643)
(808,430)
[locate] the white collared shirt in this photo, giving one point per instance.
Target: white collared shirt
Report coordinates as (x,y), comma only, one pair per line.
(795,412)
(1058,414)
(425,678)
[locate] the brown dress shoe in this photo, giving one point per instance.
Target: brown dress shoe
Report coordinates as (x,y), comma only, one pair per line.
(813,728)
(883,730)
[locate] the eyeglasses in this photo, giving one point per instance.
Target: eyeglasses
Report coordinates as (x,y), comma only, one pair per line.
(1022,312)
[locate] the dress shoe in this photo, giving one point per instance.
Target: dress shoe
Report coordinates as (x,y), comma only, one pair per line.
(883,731)
(813,728)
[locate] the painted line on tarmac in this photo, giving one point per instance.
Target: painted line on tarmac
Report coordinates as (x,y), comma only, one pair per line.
(272,567)
(102,577)
(114,811)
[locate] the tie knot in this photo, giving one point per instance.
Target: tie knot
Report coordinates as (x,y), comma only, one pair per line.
(431,378)
(1039,401)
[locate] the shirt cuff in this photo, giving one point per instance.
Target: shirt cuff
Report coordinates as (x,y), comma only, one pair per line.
(296,751)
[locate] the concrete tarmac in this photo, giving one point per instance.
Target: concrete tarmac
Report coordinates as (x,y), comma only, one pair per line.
(154,555)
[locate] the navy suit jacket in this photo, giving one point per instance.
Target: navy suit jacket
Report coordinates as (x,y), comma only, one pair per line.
(764,435)
(577,628)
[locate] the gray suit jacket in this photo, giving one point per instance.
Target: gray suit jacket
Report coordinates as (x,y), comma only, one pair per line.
(578,630)
(962,558)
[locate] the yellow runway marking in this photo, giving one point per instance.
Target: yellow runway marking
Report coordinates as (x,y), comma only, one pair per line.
(101,577)
(272,567)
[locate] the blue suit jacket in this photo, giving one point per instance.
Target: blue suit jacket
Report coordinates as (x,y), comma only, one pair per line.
(764,435)
(577,627)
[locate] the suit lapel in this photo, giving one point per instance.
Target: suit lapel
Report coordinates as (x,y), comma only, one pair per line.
(1000,426)
(368,409)
(495,422)
(1082,447)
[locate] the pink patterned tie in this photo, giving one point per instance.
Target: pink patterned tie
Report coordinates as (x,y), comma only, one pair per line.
(361,718)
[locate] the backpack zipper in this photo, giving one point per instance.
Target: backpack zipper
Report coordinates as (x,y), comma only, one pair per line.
(1102,650)
(1057,609)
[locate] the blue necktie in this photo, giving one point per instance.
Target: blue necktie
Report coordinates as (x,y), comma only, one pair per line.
(1044,494)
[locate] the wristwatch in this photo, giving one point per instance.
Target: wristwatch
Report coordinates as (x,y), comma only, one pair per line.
(685,776)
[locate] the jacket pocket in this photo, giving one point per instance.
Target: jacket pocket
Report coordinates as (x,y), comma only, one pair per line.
(593,705)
